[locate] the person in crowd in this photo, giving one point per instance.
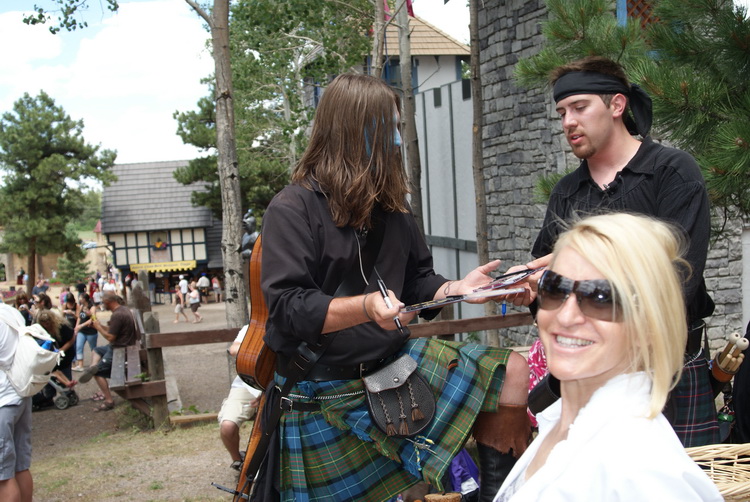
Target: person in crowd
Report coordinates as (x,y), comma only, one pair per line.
(614,337)
(740,432)
(183,287)
(602,115)
(16,482)
(97,296)
(23,305)
(57,326)
(69,310)
(40,287)
(80,288)
(64,292)
(216,285)
(43,301)
(194,300)
(109,285)
(85,330)
(238,407)
(350,189)
(179,306)
(70,314)
(203,285)
(120,332)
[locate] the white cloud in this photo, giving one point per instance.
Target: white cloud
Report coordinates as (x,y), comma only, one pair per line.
(127,73)
(451,17)
(124,75)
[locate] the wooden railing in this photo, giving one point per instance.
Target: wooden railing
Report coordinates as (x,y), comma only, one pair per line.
(153,343)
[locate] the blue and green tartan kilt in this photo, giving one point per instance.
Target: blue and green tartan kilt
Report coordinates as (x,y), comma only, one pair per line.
(338,454)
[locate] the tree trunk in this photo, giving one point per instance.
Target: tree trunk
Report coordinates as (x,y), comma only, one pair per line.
(31,266)
(408,119)
(235,292)
(378,38)
(477,161)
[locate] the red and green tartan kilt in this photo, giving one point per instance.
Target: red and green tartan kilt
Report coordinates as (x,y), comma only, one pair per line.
(338,454)
(695,420)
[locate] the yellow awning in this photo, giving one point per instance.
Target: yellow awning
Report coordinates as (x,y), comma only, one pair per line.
(164,266)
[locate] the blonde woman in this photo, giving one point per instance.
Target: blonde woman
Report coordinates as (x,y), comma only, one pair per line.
(59,328)
(613,324)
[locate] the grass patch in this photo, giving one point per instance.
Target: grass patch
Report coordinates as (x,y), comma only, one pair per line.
(130,418)
(121,467)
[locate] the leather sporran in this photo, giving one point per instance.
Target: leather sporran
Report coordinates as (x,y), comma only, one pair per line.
(398,394)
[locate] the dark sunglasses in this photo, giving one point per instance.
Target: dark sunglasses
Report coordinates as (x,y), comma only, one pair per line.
(594,297)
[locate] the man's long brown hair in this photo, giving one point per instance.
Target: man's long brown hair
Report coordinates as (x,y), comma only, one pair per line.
(352,152)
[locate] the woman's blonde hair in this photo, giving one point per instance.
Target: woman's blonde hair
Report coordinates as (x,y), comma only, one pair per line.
(53,319)
(352,153)
(642,259)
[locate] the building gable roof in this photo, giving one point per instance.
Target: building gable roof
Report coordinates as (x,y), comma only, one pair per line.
(146,197)
(426,40)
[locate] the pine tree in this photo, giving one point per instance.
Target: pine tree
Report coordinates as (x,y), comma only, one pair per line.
(46,163)
(700,85)
(73,266)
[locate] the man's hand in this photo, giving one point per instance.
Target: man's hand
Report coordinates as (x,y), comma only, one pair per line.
(376,308)
(530,283)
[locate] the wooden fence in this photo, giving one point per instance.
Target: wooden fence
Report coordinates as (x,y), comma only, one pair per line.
(153,343)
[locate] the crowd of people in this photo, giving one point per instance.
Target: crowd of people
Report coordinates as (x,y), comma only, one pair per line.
(618,296)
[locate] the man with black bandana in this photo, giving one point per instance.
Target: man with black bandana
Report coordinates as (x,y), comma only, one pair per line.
(602,115)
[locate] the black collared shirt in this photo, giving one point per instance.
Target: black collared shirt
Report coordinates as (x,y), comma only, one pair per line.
(659,181)
(305,260)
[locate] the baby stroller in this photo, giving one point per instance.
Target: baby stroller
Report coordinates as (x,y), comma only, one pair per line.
(54,394)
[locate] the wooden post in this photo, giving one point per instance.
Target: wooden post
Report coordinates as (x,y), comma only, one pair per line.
(160,412)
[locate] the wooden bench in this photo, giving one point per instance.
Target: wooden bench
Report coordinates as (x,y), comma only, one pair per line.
(131,380)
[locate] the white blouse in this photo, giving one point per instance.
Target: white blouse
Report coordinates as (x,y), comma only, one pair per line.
(612,453)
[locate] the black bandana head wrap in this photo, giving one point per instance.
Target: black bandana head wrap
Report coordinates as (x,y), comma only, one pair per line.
(588,82)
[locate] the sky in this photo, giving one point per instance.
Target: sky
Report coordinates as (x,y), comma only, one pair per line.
(127,73)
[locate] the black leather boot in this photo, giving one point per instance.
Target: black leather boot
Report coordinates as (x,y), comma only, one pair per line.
(494,467)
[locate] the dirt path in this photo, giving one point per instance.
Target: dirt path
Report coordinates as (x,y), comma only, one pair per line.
(155,466)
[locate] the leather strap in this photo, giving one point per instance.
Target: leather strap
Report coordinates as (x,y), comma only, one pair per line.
(326,372)
(696,330)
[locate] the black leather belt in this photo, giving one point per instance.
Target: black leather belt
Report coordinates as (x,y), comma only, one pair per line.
(325,372)
(694,337)
(288,404)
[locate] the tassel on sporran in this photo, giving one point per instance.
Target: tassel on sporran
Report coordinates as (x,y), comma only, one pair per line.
(392,384)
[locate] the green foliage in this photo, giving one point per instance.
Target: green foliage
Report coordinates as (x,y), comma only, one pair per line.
(73,266)
(66,15)
(545,184)
(46,163)
(579,28)
(700,85)
(91,211)
(276,46)
(190,410)
(129,418)
(694,61)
